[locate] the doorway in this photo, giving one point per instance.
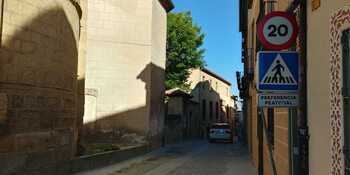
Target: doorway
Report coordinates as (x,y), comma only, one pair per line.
(345,40)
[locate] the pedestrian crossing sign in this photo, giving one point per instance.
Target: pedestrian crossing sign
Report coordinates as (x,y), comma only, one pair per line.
(278,71)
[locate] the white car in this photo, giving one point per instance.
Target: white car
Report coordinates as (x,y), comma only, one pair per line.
(220,132)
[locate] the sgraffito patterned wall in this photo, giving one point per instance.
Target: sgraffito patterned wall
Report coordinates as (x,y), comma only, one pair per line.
(339,21)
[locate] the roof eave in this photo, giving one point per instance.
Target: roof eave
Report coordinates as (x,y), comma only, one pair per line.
(215,75)
(168,5)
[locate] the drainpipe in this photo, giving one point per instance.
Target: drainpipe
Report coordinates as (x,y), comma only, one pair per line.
(303,135)
(303,129)
(260,130)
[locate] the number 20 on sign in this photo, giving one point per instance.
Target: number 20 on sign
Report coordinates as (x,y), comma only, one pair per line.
(278,30)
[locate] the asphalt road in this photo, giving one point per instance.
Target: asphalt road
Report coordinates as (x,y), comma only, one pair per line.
(192,158)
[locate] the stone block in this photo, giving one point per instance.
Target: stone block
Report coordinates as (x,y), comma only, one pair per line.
(33,142)
(30,101)
(3,101)
(7,144)
(46,122)
(65,137)
(16,101)
(63,153)
(3,117)
(60,123)
(40,160)
(68,103)
(16,125)
(12,162)
(53,102)
(41,102)
(24,121)
(3,109)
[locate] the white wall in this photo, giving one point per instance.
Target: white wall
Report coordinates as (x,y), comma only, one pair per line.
(124,38)
(318,60)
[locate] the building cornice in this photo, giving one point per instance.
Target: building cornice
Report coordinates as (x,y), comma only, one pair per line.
(168,5)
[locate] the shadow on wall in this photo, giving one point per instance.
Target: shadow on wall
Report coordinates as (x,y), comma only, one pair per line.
(38,68)
(210,106)
(207,96)
(141,125)
(189,116)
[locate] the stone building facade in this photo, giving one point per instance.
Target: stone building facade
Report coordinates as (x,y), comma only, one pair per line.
(59,56)
(182,117)
(214,98)
(38,84)
(125,63)
(278,119)
(327,75)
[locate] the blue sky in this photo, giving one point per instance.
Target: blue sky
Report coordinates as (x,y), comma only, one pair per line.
(219,20)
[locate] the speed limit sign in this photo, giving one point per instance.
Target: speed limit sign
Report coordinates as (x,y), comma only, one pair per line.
(278,30)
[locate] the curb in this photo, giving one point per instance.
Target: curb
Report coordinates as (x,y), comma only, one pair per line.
(91,162)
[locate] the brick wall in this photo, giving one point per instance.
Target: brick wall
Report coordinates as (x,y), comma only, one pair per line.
(281,147)
(38,69)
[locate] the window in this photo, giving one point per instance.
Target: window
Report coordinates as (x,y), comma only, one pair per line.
(220,111)
(210,85)
(228,113)
(221,126)
(217,111)
(203,83)
(271,126)
(203,109)
(211,110)
(345,40)
(216,86)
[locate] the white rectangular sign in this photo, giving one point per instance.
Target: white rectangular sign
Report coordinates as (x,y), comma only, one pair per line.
(278,100)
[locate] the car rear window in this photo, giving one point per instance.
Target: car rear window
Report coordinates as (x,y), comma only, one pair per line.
(220,126)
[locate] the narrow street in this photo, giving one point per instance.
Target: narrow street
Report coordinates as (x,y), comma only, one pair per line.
(195,158)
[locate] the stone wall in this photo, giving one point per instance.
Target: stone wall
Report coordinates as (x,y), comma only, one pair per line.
(182,119)
(125,67)
(280,135)
(214,97)
(158,58)
(38,71)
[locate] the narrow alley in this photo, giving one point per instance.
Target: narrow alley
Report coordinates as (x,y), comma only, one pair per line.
(192,158)
(174,87)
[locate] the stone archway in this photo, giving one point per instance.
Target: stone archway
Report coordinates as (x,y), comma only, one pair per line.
(38,86)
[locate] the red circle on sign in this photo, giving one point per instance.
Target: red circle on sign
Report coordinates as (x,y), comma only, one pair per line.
(284,45)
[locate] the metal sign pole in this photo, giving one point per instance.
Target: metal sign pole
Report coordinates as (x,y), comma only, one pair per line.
(272,160)
(278,72)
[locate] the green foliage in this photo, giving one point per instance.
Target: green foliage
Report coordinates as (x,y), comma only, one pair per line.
(184,52)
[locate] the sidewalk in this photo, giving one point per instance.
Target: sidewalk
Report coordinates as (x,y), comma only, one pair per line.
(181,148)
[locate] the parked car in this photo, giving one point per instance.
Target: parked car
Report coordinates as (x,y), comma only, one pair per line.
(220,132)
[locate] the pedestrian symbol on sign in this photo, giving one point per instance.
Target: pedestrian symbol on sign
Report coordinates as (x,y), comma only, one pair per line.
(278,73)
